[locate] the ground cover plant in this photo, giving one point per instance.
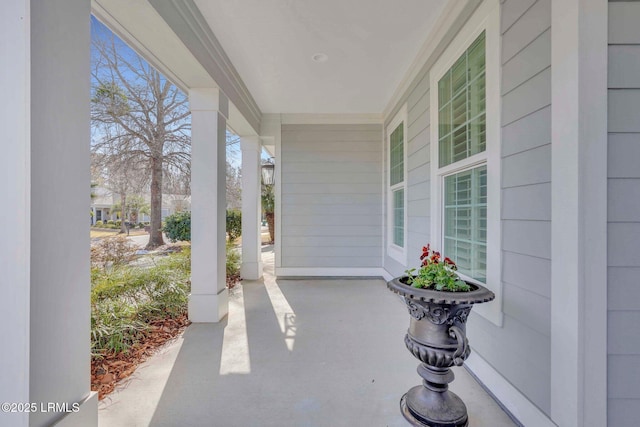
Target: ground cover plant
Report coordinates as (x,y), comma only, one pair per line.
(138,304)
(135,308)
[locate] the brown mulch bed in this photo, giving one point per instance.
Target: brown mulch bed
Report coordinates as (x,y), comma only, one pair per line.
(113,367)
(233,280)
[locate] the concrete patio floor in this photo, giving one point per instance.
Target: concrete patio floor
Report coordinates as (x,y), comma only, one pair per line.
(290,353)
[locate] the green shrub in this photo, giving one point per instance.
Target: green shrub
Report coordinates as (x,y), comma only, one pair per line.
(98,224)
(178,226)
(118,223)
(233,262)
(125,299)
(110,222)
(234,224)
(140,225)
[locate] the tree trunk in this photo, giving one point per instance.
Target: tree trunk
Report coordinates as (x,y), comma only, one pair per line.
(271,223)
(155,229)
(123,203)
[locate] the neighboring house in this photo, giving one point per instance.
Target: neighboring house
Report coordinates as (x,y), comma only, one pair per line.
(104,200)
(506,133)
(101,205)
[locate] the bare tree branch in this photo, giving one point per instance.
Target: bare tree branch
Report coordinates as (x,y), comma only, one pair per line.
(141,126)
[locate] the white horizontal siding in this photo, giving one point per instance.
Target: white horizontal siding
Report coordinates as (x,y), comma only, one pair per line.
(331,191)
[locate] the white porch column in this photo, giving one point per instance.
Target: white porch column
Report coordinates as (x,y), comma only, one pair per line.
(251,268)
(15,190)
(44,258)
(579,214)
(209,298)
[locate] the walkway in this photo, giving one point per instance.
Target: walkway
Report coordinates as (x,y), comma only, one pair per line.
(290,353)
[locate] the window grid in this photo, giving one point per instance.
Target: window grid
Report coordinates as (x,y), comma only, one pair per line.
(396,185)
(398,217)
(396,153)
(465,221)
(462,105)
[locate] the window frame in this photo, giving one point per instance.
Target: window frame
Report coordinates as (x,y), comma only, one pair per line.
(486,18)
(394,251)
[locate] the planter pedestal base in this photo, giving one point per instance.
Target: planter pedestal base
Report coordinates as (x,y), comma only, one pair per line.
(437,337)
(432,404)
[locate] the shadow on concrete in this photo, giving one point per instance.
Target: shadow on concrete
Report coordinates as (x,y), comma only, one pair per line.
(291,353)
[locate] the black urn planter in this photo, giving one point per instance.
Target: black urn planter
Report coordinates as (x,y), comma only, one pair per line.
(437,337)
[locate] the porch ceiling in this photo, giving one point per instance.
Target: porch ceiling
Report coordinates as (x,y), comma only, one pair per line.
(370,46)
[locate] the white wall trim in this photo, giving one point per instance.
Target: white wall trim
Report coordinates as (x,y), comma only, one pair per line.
(15,248)
(185,19)
(333,272)
(332,119)
(451,13)
(278,205)
(579,62)
(397,253)
(510,397)
(384,200)
(485,18)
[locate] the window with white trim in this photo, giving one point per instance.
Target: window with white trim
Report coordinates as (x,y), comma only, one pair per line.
(396,184)
(465,154)
(461,135)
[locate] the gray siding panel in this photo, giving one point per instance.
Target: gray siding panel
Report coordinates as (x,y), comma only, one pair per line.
(624,199)
(512,11)
(330,199)
(527,237)
(336,218)
(624,244)
(530,96)
(419,125)
(623,380)
(623,154)
(526,168)
(420,141)
(624,105)
(419,158)
(532,60)
(524,339)
(534,22)
(529,132)
(331,191)
(419,92)
(528,272)
(521,354)
(330,242)
(531,308)
(623,247)
(624,288)
(623,23)
(528,202)
(622,409)
(621,324)
(624,66)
